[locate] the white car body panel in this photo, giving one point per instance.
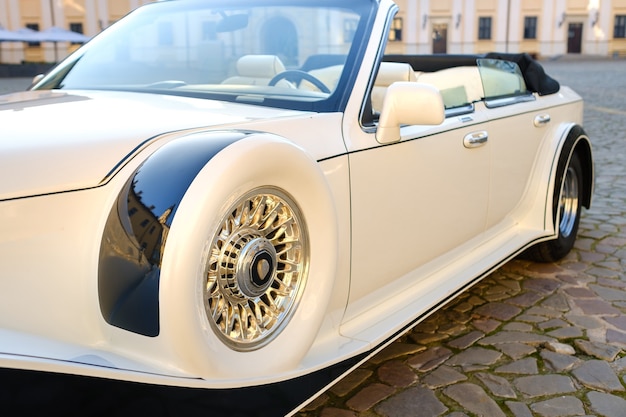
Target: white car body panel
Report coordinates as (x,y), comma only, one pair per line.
(394,228)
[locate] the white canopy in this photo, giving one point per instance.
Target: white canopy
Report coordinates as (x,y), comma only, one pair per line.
(16,36)
(57,34)
(53,34)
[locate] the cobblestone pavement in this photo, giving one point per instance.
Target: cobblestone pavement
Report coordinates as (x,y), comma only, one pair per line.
(542,340)
(530,340)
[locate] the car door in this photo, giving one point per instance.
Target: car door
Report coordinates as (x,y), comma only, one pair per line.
(413,202)
(516,128)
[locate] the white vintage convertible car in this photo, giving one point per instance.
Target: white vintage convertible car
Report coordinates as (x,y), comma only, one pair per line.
(250,196)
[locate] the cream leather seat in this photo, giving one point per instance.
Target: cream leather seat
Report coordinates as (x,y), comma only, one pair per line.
(256,70)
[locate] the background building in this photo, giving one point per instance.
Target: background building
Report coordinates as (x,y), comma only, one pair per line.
(544,28)
(88,17)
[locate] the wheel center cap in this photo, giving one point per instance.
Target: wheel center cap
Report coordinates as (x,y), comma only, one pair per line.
(262,269)
(256,267)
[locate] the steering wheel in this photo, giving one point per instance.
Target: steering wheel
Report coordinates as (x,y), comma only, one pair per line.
(296,76)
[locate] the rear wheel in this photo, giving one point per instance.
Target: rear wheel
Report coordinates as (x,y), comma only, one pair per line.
(566,210)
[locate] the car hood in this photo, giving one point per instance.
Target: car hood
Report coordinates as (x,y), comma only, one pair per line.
(54,141)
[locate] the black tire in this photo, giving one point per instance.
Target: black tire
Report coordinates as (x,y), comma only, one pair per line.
(567,204)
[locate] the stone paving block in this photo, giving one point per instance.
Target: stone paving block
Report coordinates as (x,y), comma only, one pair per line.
(603,272)
(596,307)
(619,365)
(318,402)
(518,327)
(498,311)
(414,402)
(556,302)
(396,373)
(585,322)
(443,376)
(607,405)
(569,332)
(515,337)
(580,292)
(613,282)
(619,322)
(559,362)
(396,350)
(608,294)
(474,399)
(526,299)
(543,285)
(519,409)
(427,338)
(527,366)
(351,381)
(540,385)
(543,311)
(562,348)
(552,324)
(486,325)
(369,396)
(559,407)
(531,318)
(615,337)
(497,385)
(515,351)
(429,359)
(337,412)
(474,356)
(597,374)
(599,350)
(467,340)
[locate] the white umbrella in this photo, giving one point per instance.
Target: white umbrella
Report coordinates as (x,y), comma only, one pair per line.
(22,35)
(57,34)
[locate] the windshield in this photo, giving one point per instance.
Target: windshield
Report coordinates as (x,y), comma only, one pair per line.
(290,54)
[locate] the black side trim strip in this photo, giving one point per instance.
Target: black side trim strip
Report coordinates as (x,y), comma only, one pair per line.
(62,395)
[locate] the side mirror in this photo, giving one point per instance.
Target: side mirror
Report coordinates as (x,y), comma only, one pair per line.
(408,103)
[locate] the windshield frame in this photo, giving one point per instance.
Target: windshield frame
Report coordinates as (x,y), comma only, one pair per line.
(334,102)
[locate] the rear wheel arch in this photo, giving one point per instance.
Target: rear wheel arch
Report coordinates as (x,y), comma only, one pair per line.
(573,189)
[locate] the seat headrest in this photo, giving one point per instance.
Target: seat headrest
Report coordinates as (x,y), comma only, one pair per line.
(390,72)
(259,66)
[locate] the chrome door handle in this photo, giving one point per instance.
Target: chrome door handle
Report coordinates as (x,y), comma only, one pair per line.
(541,120)
(475,139)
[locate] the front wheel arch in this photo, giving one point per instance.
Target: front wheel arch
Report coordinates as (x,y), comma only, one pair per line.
(271,166)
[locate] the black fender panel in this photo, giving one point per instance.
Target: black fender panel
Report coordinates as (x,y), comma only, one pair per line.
(138,224)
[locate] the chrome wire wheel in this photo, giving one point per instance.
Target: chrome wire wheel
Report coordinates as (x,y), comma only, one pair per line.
(256,270)
(568,203)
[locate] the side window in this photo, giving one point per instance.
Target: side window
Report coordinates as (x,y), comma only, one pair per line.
(503,82)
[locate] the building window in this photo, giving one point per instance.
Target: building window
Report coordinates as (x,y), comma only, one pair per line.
(33,26)
(395,33)
(620,27)
(484,28)
(78,28)
(530,27)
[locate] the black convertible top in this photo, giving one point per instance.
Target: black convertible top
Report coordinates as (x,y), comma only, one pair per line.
(534,75)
